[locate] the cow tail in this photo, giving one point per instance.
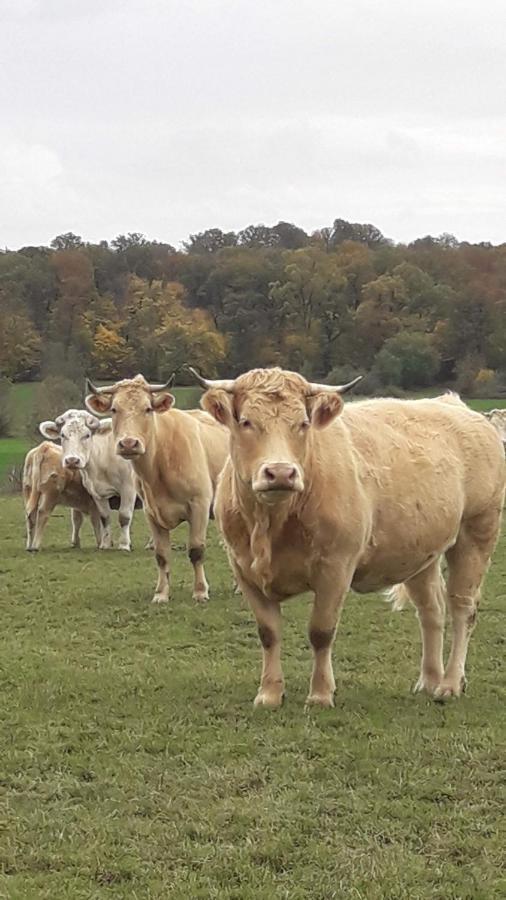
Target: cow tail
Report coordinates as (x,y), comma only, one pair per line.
(31,481)
(398,596)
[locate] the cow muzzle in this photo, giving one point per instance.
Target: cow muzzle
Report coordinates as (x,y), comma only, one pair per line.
(278,478)
(129,447)
(72,462)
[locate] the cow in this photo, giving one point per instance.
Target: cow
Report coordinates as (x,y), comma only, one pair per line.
(177,456)
(320,497)
(88,447)
(497,418)
(46,484)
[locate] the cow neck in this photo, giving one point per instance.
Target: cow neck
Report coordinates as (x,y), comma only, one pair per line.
(148,464)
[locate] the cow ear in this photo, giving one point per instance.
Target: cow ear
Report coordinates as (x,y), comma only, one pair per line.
(98,403)
(162,402)
(323,408)
(104,427)
(49,430)
(219,404)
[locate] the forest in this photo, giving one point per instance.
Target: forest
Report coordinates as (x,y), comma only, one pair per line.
(340,301)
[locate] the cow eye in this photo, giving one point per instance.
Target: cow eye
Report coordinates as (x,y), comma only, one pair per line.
(113,409)
(304,425)
(149,409)
(245,423)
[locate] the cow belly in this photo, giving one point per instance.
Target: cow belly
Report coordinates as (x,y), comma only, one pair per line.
(400,550)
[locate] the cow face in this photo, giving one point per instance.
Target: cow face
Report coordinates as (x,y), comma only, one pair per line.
(497,418)
(75,429)
(272,416)
(133,403)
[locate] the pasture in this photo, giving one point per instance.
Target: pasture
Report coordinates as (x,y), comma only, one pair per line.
(133,764)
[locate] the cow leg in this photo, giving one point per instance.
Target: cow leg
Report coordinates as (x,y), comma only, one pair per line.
(97,525)
(31,520)
(427,592)
(44,511)
(268,616)
(161,544)
(327,606)
(105,520)
(77,520)
(199,518)
(468,561)
(126,510)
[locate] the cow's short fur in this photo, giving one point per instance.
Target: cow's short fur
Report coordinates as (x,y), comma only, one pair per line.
(497,418)
(88,444)
(46,484)
(177,459)
(380,491)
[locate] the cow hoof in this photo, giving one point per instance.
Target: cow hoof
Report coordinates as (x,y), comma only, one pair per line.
(125,547)
(201,598)
(324,700)
(427,683)
(160,598)
(32,549)
(449,688)
(269,699)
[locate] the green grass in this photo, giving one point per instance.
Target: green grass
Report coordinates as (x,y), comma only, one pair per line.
(12,453)
(134,766)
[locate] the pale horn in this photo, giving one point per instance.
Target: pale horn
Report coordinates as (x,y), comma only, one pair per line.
(154,388)
(224,384)
(333,388)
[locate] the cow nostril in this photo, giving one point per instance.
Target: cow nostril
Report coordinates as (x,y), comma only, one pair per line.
(291,474)
(270,475)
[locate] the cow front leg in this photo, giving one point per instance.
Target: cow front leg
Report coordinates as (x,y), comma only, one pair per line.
(76,517)
(161,545)
(327,606)
(105,521)
(199,519)
(126,510)
(268,616)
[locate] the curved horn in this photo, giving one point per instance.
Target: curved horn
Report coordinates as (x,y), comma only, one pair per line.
(154,388)
(332,388)
(224,384)
(93,389)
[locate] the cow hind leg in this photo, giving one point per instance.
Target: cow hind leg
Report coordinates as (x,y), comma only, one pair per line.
(31,521)
(427,592)
(43,513)
(468,561)
(77,520)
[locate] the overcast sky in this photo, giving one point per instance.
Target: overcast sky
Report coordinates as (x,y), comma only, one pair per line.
(168,118)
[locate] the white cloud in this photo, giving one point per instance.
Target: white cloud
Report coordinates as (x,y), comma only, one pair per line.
(168,118)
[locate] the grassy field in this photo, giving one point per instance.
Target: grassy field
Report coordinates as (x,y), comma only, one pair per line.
(134,766)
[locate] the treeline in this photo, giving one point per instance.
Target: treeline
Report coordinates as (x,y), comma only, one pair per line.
(339,301)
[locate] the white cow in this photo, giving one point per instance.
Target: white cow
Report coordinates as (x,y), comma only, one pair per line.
(88,445)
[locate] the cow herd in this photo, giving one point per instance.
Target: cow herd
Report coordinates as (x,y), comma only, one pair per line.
(309,494)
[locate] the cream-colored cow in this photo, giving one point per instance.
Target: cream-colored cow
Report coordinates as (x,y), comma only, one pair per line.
(320,497)
(46,484)
(177,456)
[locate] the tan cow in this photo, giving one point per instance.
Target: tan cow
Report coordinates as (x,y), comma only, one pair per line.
(177,456)
(318,497)
(497,418)
(46,484)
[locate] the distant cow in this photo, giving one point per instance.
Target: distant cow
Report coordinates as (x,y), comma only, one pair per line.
(177,456)
(320,497)
(88,447)
(497,418)
(46,484)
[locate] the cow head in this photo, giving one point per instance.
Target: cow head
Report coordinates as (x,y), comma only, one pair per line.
(497,418)
(271,415)
(132,404)
(75,428)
